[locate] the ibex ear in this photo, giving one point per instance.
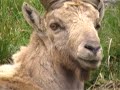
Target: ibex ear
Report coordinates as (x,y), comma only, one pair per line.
(31,16)
(101,9)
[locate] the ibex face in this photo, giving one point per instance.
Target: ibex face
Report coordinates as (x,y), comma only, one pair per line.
(71,26)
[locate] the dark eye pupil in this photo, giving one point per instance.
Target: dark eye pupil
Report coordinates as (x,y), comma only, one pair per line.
(54,26)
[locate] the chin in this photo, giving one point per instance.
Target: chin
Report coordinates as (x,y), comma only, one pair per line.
(89,64)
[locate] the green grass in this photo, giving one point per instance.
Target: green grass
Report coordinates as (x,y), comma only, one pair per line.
(111,31)
(110,39)
(14,32)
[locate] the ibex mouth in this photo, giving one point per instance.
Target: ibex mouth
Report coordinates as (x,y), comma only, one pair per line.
(92,62)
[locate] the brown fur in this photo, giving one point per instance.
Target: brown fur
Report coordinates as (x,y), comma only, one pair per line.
(61,51)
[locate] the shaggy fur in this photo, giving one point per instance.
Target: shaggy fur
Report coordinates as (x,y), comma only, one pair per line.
(63,48)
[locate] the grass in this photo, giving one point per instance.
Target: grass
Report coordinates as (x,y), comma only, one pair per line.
(110,39)
(14,32)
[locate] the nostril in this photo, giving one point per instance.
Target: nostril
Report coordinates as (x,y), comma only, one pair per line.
(92,48)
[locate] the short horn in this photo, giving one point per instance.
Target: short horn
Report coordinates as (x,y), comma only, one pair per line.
(51,4)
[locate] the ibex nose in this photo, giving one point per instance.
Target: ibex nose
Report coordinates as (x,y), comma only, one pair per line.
(93,47)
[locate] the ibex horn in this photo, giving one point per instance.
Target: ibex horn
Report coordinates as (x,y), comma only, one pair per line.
(51,4)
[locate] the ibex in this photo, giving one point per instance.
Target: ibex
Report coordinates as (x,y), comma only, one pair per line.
(63,49)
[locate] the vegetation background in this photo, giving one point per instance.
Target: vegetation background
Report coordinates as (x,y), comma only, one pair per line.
(14,32)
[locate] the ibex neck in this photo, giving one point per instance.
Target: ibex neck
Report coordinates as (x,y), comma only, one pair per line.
(51,76)
(48,74)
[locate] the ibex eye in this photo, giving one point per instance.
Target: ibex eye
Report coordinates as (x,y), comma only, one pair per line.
(54,26)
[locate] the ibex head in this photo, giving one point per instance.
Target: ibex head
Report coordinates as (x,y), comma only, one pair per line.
(71,26)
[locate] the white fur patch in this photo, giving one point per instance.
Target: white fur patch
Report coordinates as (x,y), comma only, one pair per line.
(7,70)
